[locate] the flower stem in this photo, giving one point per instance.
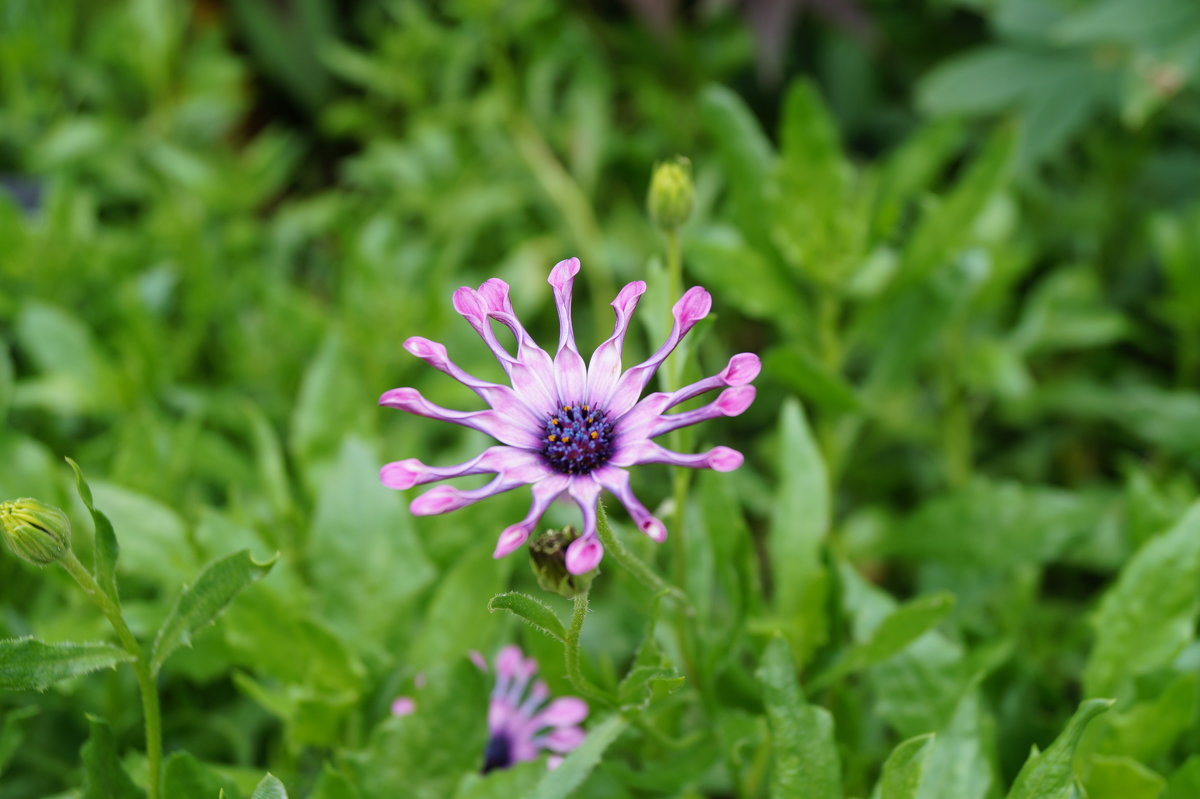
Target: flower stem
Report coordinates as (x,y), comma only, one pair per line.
(571,652)
(141,666)
(633,564)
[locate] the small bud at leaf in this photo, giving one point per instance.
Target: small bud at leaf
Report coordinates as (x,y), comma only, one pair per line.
(548,553)
(36,532)
(671,193)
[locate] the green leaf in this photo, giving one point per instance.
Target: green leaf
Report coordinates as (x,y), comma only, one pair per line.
(808,377)
(423,755)
(1149,616)
(75,376)
(1121,778)
(798,527)
(103,775)
(269,788)
(333,784)
(745,154)
(805,759)
(753,283)
(11,734)
(958,767)
(983,80)
(460,604)
(199,605)
(185,777)
(534,612)
(518,781)
(1184,782)
(1050,774)
(948,228)
(562,781)
(105,545)
(28,664)
(366,561)
(904,767)
(901,627)
(329,405)
(1147,730)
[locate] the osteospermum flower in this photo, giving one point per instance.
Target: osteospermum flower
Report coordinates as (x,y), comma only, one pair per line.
(566,427)
(520,723)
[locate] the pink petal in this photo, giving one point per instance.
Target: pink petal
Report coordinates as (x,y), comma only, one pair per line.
(731,402)
(509,661)
(604,369)
(445,498)
(563,712)
(403,706)
(616,481)
(496,424)
(742,369)
(691,308)
(479,660)
(721,459)
(502,398)
(545,491)
(411,472)
(562,739)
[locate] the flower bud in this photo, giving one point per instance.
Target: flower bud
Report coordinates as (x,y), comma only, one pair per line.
(548,553)
(671,193)
(38,533)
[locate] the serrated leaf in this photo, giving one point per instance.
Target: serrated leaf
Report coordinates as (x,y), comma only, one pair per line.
(562,781)
(804,756)
(534,612)
(103,775)
(269,788)
(901,777)
(1149,616)
(199,605)
(1050,774)
(105,546)
(27,664)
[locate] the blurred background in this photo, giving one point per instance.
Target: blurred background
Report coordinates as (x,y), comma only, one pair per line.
(963,234)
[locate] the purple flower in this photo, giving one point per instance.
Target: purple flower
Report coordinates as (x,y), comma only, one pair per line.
(565,426)
(520,723)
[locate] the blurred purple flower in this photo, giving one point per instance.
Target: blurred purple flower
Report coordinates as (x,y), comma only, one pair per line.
(520,723)
(566,426)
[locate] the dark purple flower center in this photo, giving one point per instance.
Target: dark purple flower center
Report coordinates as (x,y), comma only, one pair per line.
(498,753)
(578,439)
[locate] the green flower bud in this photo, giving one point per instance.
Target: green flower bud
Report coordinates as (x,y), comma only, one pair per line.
(671,193)
(548,553)
(34,531)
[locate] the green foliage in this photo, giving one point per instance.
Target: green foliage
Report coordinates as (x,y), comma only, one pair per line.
(961,235)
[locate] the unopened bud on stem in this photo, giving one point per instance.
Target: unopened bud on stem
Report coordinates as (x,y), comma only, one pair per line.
(548,552)
(670,198)
(34,531)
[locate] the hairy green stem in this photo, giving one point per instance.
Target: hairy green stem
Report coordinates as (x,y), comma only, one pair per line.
(141,666)
(571,652)
(632,563)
